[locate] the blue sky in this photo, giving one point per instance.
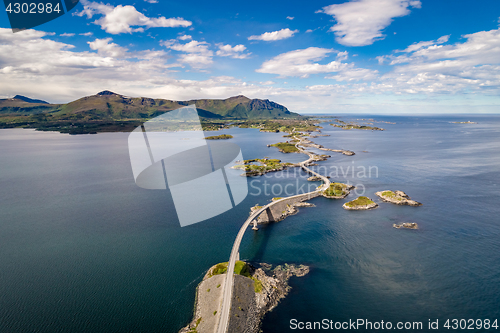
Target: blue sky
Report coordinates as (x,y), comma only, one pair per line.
(365,56)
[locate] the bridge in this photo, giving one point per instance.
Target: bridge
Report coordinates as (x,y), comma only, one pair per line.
(235,252)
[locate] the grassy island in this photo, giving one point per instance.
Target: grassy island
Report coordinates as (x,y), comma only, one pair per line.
(219,137)
(360,203)
(397,197)
(337,190)
(286,147)
(258,166)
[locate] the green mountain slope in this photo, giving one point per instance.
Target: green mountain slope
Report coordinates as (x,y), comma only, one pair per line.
(108,105)
(108,111)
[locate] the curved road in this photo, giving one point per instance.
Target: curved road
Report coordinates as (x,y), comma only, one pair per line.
(229,280)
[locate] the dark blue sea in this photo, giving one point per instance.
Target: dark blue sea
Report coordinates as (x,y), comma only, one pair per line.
(84,249)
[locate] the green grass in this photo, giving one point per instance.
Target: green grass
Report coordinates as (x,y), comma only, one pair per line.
(219,269)
(240,268)
(391,195)
(335,190)
(258,165)
(286,147)
(219,137)
(361,201)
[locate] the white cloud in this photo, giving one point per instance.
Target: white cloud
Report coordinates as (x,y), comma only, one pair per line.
(290,18)
(197,54)
(184,37)
(86,34)
(106,48)
(44,66)
(470,67)
(151,1)
(300,63)
(419,45)
(361,22)
(122,19)
(275,35)
(67,35)
(237,51)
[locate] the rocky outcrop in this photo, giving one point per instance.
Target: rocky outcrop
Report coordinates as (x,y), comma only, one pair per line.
(253,296)
(397,197)
(406,225)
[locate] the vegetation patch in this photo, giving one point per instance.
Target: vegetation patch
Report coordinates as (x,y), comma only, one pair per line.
(361,201)
(286,147)
(219,137)
(258,166)
(336,190)
(391,195)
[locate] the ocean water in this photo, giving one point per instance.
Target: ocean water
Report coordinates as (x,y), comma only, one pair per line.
(83,249)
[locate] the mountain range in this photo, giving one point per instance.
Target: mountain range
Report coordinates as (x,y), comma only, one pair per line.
(109,106)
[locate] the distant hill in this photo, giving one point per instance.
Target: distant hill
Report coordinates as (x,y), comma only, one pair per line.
(29,100)
(109,105)
(108,111)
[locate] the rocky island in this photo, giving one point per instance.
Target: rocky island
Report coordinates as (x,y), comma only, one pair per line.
(406,225)
(257,290)
(361,203)
(337,191)
(397,197)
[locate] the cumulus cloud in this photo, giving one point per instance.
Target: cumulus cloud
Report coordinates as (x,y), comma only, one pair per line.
(88,34)
(361,22)
(196,54)
(419,45)
(302,63)
(122,19)
(290,18)
(237,51)
(275,35)
(151,1)
(67,34)
(44,66)
(106,48)
(468,67)
(184,37)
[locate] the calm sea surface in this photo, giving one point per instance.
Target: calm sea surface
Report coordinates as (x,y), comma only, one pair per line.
(83,249)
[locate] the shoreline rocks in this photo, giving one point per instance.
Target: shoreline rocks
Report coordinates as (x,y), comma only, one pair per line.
(254,294)
(406,225)
(397,197)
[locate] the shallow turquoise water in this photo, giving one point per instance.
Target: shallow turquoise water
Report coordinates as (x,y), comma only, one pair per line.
(83,249)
